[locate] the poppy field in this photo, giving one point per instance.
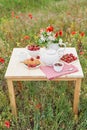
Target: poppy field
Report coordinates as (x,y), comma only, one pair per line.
(42,105)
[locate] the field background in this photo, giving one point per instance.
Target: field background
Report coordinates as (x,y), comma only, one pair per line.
(41,105)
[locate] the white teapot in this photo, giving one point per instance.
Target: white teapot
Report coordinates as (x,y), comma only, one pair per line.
(49,56)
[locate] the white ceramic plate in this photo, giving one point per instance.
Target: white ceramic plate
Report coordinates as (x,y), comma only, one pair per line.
(36,67)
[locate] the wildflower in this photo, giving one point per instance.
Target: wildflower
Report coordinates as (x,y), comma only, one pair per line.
(26,37)
(7,124)
(38,106)
(17,17)
(68,13)
(61,33)
(73,33)
(2,60)
(12,14)
(56,35)
(82,34)
(81,53)
(42,30)
(49,29)
(30,16)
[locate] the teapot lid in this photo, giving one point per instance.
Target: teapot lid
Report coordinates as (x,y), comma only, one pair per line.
(51,51)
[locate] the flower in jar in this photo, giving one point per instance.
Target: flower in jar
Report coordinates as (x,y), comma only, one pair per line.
(49,29)
(60,33)
(48,36)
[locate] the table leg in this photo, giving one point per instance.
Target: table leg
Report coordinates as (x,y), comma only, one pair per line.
(12,96)
(76,96)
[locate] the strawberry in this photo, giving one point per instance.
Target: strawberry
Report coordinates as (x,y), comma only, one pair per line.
(37,57)
(32,59)
(33,47)
(68,58)
(33,65)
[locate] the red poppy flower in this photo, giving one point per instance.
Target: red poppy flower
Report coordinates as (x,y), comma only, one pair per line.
(26,37)
(61,33)
(17,17)
(56,35)
(73,33)
(30,16)
(2,60)
(7,124)
(38,106)
(82,34)
(50,29)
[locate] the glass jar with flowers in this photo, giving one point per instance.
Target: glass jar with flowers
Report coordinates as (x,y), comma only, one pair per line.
(50,39)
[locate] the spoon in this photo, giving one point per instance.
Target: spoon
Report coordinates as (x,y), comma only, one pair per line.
(70,69)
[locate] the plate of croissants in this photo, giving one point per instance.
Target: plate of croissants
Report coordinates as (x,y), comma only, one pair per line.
(32,62)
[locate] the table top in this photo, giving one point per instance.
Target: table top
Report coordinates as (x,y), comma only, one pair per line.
(17,70)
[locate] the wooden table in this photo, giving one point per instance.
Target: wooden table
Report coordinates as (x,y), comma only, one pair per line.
(17,71)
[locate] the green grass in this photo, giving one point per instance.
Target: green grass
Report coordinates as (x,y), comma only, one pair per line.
(55,99)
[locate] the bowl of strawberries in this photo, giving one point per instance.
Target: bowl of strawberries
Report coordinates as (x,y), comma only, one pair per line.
(34,50)
(69,58)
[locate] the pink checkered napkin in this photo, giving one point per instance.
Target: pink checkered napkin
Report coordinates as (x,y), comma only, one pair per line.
(51,73)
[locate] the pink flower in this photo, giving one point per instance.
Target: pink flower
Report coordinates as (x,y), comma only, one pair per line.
(2,60)
(42,30)
(7,124)
(12,14)
(81,53)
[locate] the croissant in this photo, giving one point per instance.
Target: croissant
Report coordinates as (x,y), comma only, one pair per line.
(26,61)
(31,62)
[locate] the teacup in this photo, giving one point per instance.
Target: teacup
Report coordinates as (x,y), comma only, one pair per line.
(58,66)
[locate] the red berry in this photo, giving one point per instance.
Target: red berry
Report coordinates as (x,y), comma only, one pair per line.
(68,58)
(32,59)
(37,57)
(33,47)
(33,65)
(29,65)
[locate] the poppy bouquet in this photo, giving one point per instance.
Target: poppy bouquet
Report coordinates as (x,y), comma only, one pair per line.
(48,36)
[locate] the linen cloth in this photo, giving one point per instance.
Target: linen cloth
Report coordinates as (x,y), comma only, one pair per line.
(51,73)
